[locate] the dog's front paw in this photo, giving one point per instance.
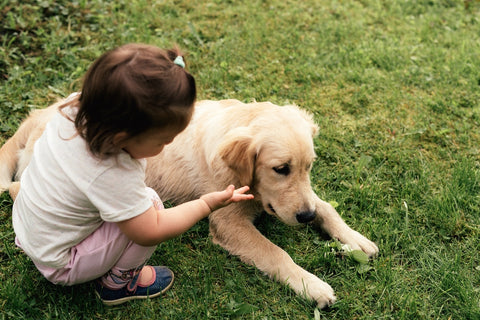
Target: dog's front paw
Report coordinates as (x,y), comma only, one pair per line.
(357,241)
(312,288)
(322,293)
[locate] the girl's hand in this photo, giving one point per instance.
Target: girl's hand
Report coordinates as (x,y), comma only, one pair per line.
(219,199)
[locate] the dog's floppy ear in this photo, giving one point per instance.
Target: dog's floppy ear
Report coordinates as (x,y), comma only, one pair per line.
(238,152)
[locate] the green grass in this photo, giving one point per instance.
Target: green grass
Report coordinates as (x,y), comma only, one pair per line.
(395,88)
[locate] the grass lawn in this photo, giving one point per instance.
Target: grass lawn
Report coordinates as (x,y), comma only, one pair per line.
(395,89)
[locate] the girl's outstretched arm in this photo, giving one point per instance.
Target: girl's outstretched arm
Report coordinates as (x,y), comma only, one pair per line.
(217,200)
(155,226)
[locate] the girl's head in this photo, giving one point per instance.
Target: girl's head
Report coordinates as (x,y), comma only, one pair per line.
(131,91)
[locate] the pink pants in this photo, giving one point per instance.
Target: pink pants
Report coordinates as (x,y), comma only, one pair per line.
(106,253)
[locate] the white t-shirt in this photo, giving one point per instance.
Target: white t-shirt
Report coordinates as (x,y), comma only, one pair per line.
(66,193)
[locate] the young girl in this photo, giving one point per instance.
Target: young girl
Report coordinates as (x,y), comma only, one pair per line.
(83,211)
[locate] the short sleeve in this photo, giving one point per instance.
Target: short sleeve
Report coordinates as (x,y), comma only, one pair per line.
(119,193)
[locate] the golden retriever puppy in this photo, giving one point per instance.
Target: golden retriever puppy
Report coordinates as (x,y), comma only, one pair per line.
(268,147)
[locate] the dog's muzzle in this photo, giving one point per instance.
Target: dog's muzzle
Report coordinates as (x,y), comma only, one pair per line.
(305,216)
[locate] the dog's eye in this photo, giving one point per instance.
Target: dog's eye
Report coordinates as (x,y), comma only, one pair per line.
(283,169)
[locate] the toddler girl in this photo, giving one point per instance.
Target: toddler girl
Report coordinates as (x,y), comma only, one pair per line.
(83,211)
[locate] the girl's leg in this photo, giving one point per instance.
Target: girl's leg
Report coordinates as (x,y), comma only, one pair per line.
(128,266)
(106,253)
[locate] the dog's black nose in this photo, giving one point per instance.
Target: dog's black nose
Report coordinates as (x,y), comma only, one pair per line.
(305,216)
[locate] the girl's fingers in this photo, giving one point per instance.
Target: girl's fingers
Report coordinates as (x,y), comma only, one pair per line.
(242,189)
(240,194)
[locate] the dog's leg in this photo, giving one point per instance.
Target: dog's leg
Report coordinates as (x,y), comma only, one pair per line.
(8,163)
(330,221)
(12,150)
(237,234)
(8,159)
(15,154)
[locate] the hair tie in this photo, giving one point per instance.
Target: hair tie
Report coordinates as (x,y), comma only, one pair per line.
(179,61)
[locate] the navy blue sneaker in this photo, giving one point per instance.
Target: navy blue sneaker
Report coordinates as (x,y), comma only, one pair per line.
(162,281)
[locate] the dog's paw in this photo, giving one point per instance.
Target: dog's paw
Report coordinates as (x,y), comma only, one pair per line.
(357,241)
(323,294)
(312,288)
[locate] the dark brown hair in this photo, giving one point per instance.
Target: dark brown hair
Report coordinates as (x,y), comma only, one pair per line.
(132,89)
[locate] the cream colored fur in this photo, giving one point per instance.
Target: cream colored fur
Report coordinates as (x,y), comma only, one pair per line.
(232,142)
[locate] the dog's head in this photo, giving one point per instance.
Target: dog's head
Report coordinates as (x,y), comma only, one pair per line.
(274,156)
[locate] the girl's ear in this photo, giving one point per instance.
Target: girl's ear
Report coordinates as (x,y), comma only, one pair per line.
(119,139)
